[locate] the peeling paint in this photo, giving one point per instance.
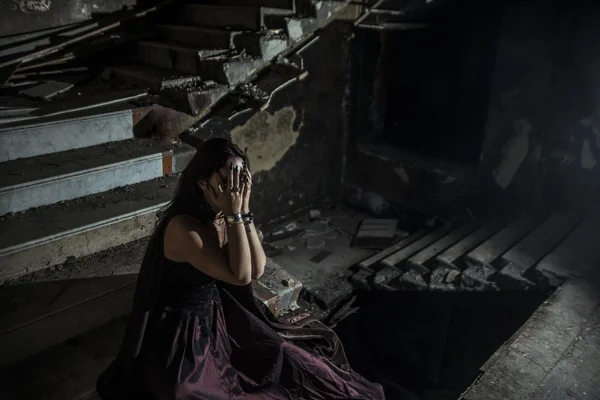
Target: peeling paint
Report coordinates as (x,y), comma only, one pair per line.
(267,137)
(514,153)
(588,161)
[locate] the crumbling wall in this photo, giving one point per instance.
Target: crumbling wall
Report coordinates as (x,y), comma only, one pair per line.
(295,145)
(21,16)
(543,130)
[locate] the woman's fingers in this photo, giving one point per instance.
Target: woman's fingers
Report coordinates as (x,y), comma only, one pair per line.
(231,182)
(236,177)
(248,176)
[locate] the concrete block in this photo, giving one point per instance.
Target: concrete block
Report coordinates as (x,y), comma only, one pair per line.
(227,70)
(361,279)
(440,280)
(477,277)
(194,98)
(265,46)
(412,280)
(277,289)
(383,278)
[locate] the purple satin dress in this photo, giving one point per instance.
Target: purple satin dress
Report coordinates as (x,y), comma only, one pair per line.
(203,339)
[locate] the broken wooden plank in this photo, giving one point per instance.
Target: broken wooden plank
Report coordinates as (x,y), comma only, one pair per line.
(370,262)
(375,233)
(577,256)
(394,260)
(541,241)
(453,255)
(418,261)
(498,244)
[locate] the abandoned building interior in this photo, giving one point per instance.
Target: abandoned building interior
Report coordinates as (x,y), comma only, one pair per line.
(425,180)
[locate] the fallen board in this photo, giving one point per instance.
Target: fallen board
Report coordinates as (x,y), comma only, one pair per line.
(375,233)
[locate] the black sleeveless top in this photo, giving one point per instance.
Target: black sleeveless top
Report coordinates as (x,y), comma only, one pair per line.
(185,287)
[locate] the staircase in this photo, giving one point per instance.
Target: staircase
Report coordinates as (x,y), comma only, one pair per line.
(204,51)
(80,189)
(81,185)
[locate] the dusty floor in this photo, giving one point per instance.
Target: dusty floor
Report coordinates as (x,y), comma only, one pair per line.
(419,345)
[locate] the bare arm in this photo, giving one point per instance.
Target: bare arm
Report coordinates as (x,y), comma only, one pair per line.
(257,253)
(188,240)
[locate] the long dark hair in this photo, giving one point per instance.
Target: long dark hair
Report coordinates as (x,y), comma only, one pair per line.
(189,199)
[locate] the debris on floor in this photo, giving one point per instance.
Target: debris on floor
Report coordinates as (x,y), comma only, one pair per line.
(375,233)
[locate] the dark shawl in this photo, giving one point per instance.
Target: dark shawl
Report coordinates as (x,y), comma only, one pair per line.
(121,380)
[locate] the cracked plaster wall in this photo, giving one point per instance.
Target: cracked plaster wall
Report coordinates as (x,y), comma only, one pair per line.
(295,145)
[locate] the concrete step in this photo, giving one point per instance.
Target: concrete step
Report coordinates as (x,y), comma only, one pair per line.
(259,44)
(51,178)
(397,259)
(202,38)
(47,236)
(223,16)
(38,316)
(62,310)
(315,16)
(421,261)
(69,131)
(174,56)
(68,371)
(151,77)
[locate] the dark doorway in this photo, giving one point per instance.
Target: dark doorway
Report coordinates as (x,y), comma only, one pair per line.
(432,85)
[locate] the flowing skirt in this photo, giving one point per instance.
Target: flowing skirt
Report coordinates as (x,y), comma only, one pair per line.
(223,351)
